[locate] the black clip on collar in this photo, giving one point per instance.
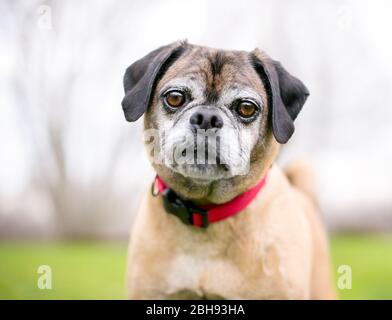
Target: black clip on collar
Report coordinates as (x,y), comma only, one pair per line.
(183,209)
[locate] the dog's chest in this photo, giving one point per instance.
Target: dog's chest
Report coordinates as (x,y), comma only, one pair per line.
(195,277)
(207,273)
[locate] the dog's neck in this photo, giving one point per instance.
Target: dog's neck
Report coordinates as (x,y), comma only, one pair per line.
(202,215)
(215,192)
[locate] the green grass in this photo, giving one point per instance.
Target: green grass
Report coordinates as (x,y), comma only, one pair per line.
(370,258)
(96,270)
(79,270)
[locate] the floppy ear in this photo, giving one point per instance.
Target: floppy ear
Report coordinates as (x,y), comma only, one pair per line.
(142,76)
(287,95)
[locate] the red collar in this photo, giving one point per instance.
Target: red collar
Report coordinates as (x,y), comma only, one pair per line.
(201,216)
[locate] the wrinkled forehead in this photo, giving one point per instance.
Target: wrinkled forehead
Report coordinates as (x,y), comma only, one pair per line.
(215,71)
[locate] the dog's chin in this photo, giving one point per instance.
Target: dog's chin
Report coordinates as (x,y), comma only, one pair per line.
(203,174)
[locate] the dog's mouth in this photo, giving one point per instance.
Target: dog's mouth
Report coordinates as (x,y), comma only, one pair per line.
(201,162)
(205,157)
(203,172)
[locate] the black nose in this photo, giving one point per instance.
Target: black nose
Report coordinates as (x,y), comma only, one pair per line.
(206,119)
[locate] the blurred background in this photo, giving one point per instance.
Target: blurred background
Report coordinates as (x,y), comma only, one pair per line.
(72,170)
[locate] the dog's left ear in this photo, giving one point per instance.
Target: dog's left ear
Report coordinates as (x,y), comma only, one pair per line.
(287,94)
(142,76)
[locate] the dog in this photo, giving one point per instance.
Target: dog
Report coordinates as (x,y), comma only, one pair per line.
(233,226)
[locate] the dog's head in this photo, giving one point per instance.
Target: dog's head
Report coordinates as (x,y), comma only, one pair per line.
(213,118)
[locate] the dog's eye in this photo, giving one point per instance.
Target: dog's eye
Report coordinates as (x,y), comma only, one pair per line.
(175,99)
(246,109)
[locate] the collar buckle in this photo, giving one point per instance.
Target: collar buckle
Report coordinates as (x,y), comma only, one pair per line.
(184,210)
(193,209)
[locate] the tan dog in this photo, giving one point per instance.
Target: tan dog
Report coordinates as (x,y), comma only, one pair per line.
(276,247)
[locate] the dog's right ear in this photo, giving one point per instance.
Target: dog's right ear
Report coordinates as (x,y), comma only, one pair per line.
(142,76)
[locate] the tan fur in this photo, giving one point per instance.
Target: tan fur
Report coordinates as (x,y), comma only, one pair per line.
(301,176)
(275,249)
